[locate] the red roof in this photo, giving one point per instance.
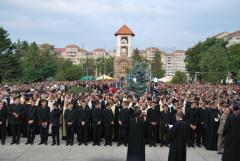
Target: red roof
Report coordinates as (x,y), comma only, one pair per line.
(59,50)
(124,30)
(72,46)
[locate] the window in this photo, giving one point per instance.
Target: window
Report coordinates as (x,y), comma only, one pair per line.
(123,66)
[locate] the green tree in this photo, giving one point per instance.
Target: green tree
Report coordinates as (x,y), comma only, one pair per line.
(179,78)
(137,57)
(216,63)
(7,67)
(156,66)
(20,48)
(89,67)
(234,59)
(195,54)
(137,78)
(38,64)
(109,65)
(67,71)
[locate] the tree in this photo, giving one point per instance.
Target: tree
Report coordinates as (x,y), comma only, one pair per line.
(7,67)
(216,64)
(195,54)
(68,71)
(89,67)
(234,59)
(109,65)
(20,48)
(156,66)
(38,64)
(137,58)
(179,78)
(137,78)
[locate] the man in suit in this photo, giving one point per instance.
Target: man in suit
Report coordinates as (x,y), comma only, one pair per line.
(55,118)
(3,118)
(70,116)
(165,120)
(16,111)
(200,131)
(191,117)
(108,123)
(123,120)
(31,116)
(43,118)
(83,119)
(97,122)
(153,115)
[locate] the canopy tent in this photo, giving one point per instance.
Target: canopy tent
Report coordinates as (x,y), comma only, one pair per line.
(85,78)
(166,79)
(104,77)
(155,80)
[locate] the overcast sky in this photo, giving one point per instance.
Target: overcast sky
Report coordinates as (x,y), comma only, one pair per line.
(167,24)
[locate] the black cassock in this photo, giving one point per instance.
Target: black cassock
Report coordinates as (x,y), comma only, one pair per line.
(178,140)
(211,124)
(136,142)
(231,135)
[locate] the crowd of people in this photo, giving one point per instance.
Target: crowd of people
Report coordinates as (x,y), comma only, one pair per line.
(49,109)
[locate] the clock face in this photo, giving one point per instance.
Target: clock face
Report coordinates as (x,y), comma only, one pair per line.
(124,40)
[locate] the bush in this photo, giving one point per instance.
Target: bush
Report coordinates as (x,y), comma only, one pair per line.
(179,78)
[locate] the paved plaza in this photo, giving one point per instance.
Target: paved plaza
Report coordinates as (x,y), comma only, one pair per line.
(36,152)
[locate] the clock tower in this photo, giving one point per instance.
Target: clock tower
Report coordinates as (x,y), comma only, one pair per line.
(122,60)
(124,41)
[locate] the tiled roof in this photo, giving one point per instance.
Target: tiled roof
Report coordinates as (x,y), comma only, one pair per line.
(72,46)
(124,30)
(233,34)
(60,50)
(99,50)
(179,51)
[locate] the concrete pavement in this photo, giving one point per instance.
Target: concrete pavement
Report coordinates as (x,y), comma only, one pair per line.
(36,152)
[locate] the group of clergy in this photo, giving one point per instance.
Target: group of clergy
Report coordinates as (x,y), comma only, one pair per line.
(169,121)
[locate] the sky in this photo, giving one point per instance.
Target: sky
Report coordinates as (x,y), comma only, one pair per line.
(167,24)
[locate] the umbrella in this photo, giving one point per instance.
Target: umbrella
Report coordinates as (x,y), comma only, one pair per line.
(104,77)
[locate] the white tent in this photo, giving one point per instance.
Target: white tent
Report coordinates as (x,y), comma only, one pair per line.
(155,80)
(166,79)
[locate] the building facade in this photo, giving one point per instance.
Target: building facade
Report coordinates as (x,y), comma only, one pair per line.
(77,55)
(172,62)
(232,38)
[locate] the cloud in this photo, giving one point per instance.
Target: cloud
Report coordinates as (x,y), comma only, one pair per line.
(161,23)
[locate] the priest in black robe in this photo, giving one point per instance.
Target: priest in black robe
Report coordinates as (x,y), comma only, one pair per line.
(211,122)
(136,141)
(178,140)
(231,133)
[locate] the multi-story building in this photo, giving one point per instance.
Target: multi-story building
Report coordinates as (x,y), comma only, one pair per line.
(77,55)
(173,62)
(151,52)
(99,52)
(72,52)
(232,38)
